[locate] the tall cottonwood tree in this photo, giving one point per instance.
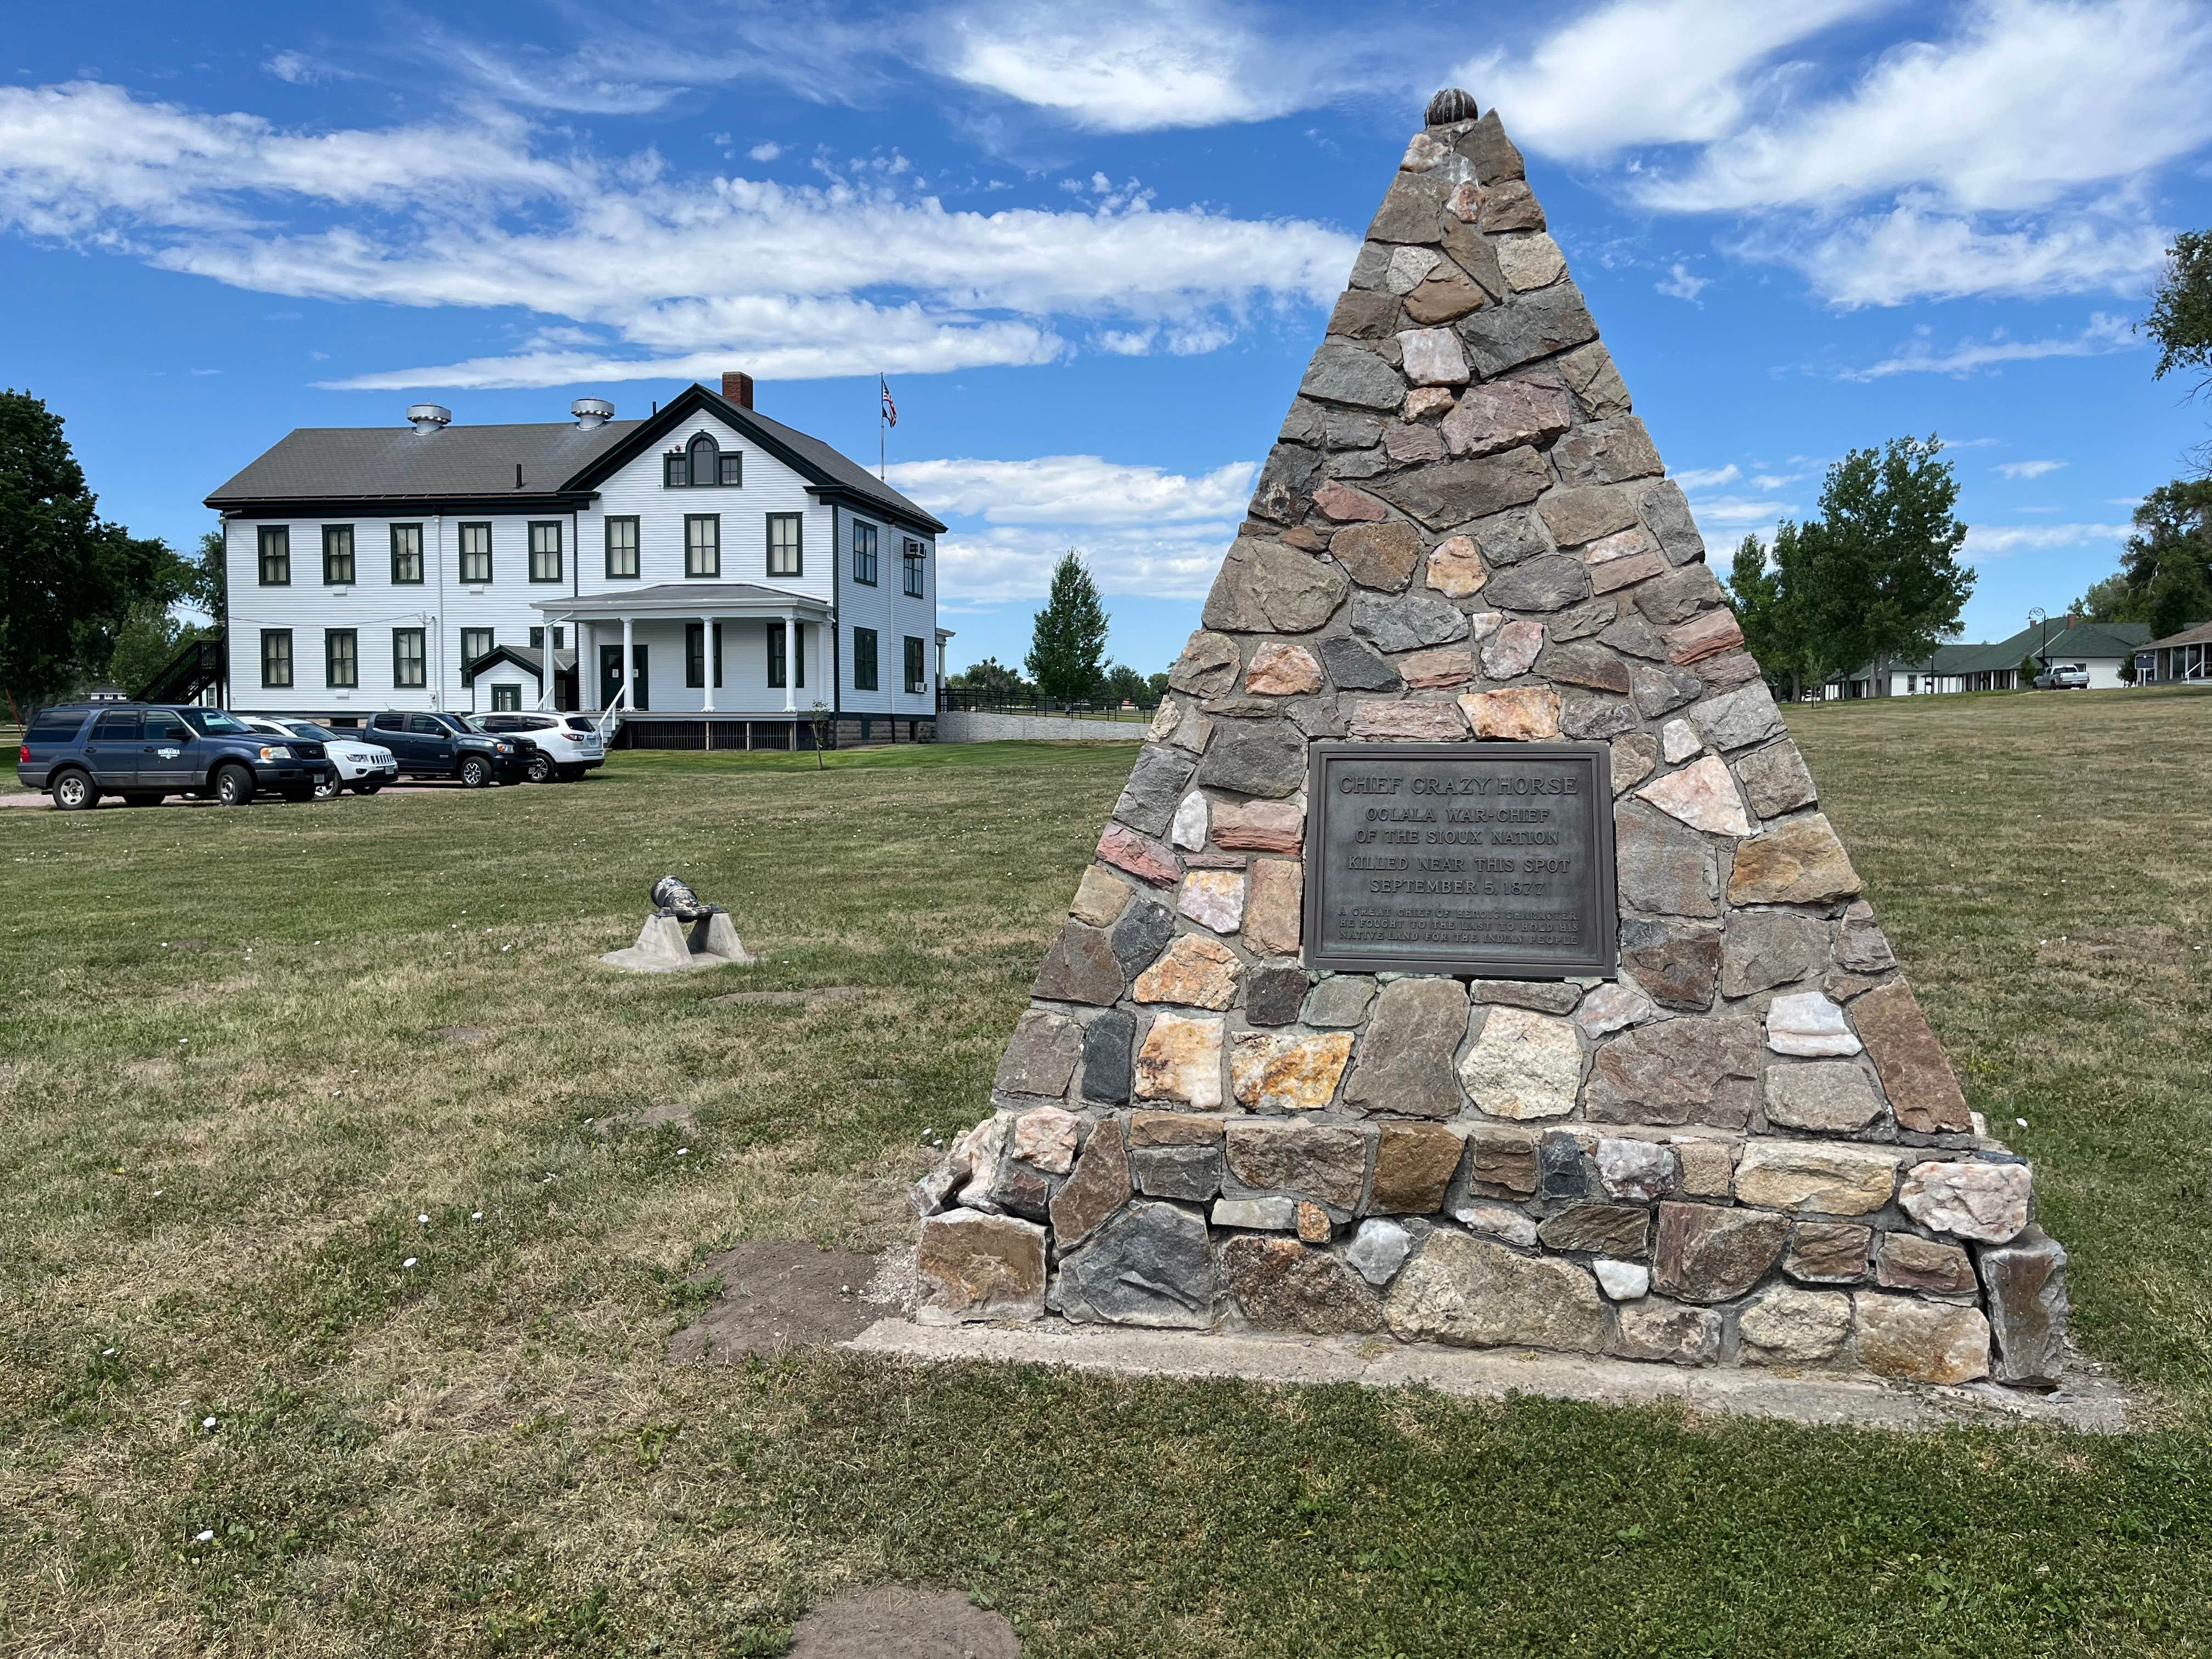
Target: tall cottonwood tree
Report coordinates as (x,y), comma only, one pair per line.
(1067,643)
(68,578)
(1882,572)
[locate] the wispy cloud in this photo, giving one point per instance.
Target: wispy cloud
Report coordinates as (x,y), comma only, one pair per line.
(863,270)
(1995,541)
(2018,470)
(1144,532)
(2104,334)
(1683,284)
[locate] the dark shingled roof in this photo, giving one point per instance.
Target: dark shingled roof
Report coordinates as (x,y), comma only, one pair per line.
(375,463)
(399,463)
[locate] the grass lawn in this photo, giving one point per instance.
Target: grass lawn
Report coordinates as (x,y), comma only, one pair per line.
(228,1107)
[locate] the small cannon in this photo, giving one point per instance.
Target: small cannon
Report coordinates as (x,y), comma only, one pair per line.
(682,931)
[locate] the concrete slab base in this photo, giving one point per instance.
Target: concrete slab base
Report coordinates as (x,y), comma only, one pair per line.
(662,946)
(2091,1404)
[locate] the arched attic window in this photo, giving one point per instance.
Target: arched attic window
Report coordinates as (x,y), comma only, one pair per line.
(703,462)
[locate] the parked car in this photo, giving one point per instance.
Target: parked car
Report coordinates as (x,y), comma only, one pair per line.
(568,745)
(356,764)
(444,746)
(77,752)
(2063,677)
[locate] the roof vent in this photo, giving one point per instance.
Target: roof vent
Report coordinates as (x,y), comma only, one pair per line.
(592,411)
(1451,105)
(737,387)
(429,417)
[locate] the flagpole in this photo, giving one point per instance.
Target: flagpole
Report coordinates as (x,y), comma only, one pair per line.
(883,440)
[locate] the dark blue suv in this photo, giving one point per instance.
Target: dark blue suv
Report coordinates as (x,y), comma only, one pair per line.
(141,751)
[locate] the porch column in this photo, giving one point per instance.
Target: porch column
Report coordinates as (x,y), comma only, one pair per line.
(628,673)
(708,661)
(545,665)
(791,649)
(588,669)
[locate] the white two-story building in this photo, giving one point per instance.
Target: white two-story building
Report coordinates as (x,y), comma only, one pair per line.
(714,575)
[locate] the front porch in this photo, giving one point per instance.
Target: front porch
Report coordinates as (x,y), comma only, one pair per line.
(702,648)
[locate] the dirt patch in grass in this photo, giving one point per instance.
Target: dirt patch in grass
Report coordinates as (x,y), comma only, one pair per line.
(778,1295)
(663,1115)
(894,1622)
(792,998)
(468,1034)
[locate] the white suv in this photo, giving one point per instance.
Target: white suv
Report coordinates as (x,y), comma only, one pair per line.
(568,746)
(363,768)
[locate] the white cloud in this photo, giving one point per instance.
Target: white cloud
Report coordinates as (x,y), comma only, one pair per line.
(767,150)
(1683,284)
(840,278)
(2104,334)
(2018,470)
(301,70)
(2027,102)
(1738,510)
(1144,532)
(1708,477)
(1635,72)
(1995,541)
(1911,253)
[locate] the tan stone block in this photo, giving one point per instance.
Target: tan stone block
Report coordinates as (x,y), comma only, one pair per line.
(1796,861)
(1708,1166)
(1923,1091)
(1703,796)
(1524,1065)
(1099,898)
(1456,568)
(1047,1138)
(1473,1293)
(1260,826)
(1282,670)
(1517,714)
(1910,1262)
(1407,723)
(1815,1177)
(1922,1341)
(1503,1158)
(1322,1161)
(1297,1073)
(1180,1060)
(1195,972)
(1314,1226)
(1099,1186)
(1274,914)
(1426,670)
(1174,1129)
(1413,1164)
(976,1266)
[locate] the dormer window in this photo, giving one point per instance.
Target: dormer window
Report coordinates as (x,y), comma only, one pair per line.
(701,462)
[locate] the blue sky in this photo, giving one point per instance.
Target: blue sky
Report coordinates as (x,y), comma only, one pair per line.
(1092,244)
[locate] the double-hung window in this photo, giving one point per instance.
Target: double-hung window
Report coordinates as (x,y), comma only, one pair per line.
(695,654)
(505,699)
(277,657)
(560,639)
(475,642)
(911,560)
(337,555)
(406,554)
(407,659)
(341,657)
(276,540)
(864,553)
(546,551)
(476,552)
(622,548)
(864,659)
(787,656)
(914,668)
(702,544)
(785,555)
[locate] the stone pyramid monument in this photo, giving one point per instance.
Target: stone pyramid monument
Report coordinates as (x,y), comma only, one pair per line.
(1468,958)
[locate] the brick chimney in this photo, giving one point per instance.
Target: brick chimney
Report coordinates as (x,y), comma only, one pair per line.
(737,387)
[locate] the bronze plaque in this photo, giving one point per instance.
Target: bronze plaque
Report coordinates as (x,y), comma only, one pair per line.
(1490,859)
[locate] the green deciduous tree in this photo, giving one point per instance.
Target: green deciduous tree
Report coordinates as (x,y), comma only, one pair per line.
(2167,562)
(147,638)
(990,678)
(2180,317)
(1068,644)
(1883,555)
(1125,685)
(1776,595)
(68,578)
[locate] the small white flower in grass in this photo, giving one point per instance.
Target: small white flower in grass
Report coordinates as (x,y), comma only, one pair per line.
(409,1262)
(683,1151)
(475,1215)
(2020,1121)
(203,1537)
(207,1422)
(107,1353)
(424,1220)
(157,1192)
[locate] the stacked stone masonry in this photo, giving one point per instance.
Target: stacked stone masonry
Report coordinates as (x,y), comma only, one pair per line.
(1747,1148)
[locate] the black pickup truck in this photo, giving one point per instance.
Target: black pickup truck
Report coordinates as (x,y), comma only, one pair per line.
(77,752)
(443,746)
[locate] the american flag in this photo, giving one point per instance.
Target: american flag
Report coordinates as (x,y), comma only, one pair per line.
(890,409)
